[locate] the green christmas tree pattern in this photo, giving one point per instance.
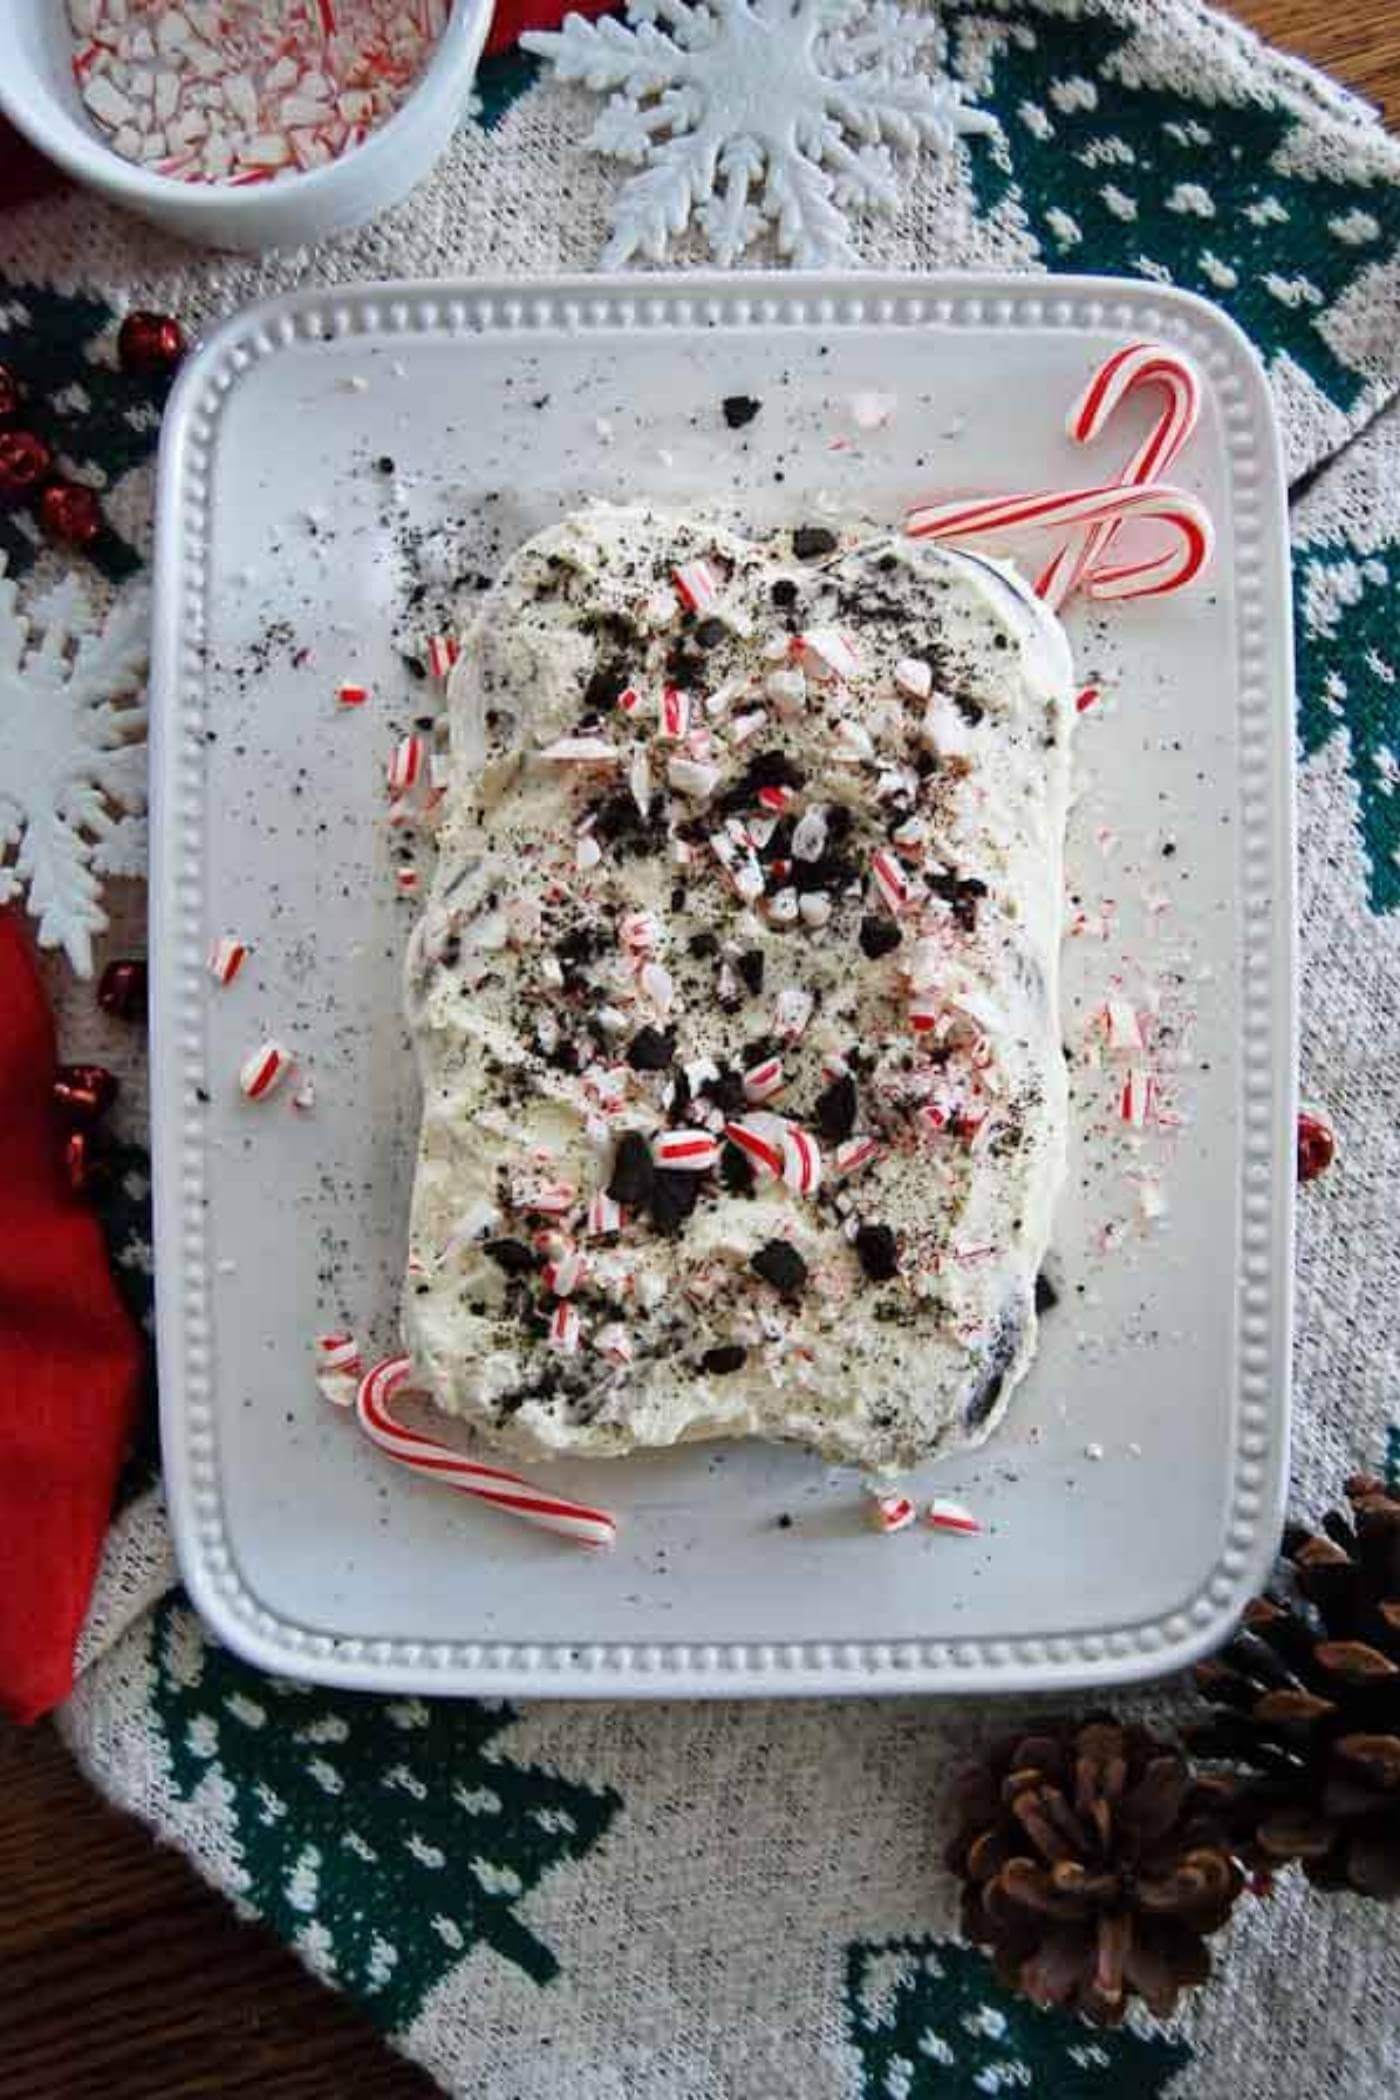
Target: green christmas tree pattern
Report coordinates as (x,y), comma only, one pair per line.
(1142,181)
(382,1838)
(500,82)
(121,1198)
(1349,674)
(99,421)
(929,2021)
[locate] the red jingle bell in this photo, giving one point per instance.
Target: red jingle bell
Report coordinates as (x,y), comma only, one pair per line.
(83,1093)
(70,513)
(121,989)
(150,344)
(83,1163)
(25,461)
(1317,1145)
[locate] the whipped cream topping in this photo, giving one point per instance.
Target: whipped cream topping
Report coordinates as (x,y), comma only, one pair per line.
(736,995)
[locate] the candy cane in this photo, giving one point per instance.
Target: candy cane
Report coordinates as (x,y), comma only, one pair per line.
(1046,509)
(1120,376)
(437,1461)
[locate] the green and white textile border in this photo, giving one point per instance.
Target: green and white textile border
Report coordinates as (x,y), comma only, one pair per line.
(746,1902)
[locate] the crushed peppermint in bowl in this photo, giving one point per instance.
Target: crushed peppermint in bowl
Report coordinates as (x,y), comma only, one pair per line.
(242,123)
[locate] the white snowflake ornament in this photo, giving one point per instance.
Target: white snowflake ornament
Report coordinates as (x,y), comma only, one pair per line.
(72,758)
(741,112)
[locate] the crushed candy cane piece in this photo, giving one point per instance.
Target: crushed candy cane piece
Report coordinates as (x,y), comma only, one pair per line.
(943,1514)
(263,1071)
(828,653)
(675,712)
(337,1352)
(693,778)
(629,700)
(852,741)
(658,985)
(406,765)
(564,1329)
(890,1513)
(857,1152)
(890,880)
(304,1099)
(787,689)
(809,835)
(443,651)
(613,1341)
(792,1010)
(605,1214)
(691,1151)
(763,1080)
(802,1161)
(761,1144)
(1121,1027)
(406,880)
(564,1275)
(349,694)
(550,1200)
(640,931)
(1137,1098)
(697,586)
(581,751)
(914,677)
(871,410)
(226,958)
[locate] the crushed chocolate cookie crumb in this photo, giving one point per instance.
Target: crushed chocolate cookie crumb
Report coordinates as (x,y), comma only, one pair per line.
(878,1253)
(633,1171)
(750,968)
(674,1195)
(729,1356)
(811,542)
(836,1109)
(779,1263)
(878,936)
(513,1256)
(739,409)
(650,1050)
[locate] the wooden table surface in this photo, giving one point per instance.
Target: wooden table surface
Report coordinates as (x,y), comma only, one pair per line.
(121,1976)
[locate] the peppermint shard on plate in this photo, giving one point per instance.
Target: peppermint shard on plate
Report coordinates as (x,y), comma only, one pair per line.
(736,999)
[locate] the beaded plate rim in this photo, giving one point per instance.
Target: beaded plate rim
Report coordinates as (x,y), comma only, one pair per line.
(1114,1653)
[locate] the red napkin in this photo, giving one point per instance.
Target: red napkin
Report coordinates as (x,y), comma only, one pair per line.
(70,1363)
(513,17)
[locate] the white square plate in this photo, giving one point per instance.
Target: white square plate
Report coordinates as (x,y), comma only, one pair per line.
(1131,1499)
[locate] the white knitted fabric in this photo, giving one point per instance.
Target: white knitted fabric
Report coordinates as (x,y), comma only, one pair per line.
(746,1902)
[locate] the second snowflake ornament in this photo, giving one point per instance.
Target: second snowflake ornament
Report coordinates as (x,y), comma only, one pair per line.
(741,113)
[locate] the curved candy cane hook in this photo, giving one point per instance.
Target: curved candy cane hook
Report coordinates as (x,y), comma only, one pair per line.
(1136,366)
(967,519)
(426,1455)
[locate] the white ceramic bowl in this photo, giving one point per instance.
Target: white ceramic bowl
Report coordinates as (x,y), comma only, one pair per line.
(38,95)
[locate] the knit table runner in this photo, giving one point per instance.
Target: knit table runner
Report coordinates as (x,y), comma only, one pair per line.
(746,1901)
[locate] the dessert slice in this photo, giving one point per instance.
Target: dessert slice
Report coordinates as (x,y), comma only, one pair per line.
(735,999)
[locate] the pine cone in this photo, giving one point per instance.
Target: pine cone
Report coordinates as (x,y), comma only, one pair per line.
(1095,1864)
(1309,1692)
